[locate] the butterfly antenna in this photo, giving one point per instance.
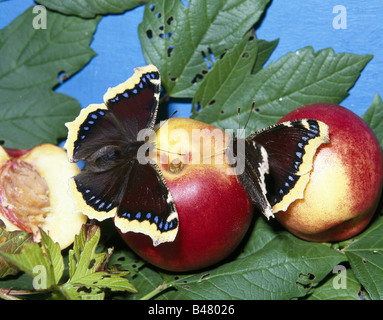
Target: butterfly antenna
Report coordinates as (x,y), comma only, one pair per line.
(212,155)
(251,111)
(162,122)
(177,153)
(173,113)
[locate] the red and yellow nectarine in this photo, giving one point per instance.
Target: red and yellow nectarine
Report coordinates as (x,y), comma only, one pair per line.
(346,181)
(213,208)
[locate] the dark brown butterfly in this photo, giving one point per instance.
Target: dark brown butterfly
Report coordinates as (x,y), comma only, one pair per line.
(114,182)
(274,163)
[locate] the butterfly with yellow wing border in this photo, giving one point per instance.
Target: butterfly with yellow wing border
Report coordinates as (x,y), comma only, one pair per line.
(115,182)
(275,164)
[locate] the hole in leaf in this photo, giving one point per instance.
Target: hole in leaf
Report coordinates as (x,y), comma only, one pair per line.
(169,20)
(169,51)
(121,258)
(223,54)
(211,102)
(222,112)
(245,55)
(198,77)
(209,58)
(364,260)
(165,36)
(257,110)
(152,7)
(62,76)
(161,27)
(158,15)
(305,280)
(176,278)
(212,56)
(198,106)
(91,263)
(305,286)
(84,289)
(185,3)
(172,79)
(204,277)
(149,34)
(204,57)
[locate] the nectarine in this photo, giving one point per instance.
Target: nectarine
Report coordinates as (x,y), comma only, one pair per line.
(34,193)
(213,208)
(346,181)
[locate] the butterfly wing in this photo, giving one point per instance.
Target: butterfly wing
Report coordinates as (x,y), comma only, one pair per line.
(148,206)
(113,181)
(128,108)
(291,147)
(252,172)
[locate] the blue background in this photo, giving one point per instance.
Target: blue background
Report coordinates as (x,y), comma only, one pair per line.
(297,23)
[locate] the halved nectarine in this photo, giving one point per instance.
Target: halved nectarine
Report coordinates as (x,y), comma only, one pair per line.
(34,193)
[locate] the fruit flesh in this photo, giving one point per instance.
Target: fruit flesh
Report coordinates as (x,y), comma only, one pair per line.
(24,195)
(34,193)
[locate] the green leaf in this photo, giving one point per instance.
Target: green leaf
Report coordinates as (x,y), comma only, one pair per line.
(141,275)
(265,49)
(32,59)
(329,291)
(374,117)
(44,262)
(296,79)
(72,292)
(86,269)
(366,259)
(83,260)
(102,279)
(53,251)
(90,8)
(183,41)
(11,243)
(274,265)
(228,72)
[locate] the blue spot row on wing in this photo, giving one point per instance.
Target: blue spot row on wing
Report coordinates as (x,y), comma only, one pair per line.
(86,126)
(291,180)
(97,203)
(161,223)
(144,81)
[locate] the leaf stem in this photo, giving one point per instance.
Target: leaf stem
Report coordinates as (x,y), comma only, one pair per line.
(156,291)
(6,295)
